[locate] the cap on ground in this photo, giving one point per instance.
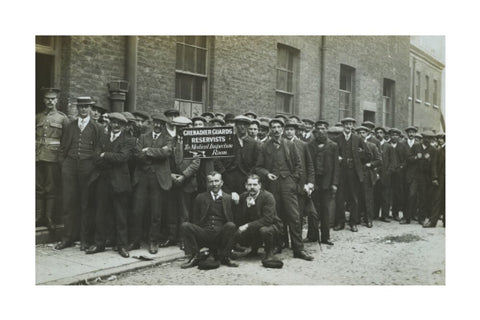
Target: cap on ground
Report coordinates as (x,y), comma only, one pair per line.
(129,116)
(172,112)
(141,114)
(395,130)
(181,121)
(277,120)
(201,118)
(272,263)
(250,113)
(117,116)
(84,101)
(160,117)
(242,118)
(217,120)
(348,119)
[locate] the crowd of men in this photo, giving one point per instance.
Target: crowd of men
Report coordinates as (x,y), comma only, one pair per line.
(122,178)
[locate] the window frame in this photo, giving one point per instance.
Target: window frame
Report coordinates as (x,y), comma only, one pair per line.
(281,93)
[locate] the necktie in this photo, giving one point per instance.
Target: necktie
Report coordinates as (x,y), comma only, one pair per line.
(82,124)
(155,136)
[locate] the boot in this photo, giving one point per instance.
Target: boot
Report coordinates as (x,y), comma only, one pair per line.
(49,212)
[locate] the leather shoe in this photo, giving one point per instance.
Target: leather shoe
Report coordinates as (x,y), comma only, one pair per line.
(327,242)
(306,240)
(354,228)
(133,246)
(338,227)
(94,249)
(237,247)
(167,243)
(83,246)
(404,221)
(369,224)
(228,262)
(123,252)
(384,219)
(152,248)
(191,263)
(62,245)
(302,255)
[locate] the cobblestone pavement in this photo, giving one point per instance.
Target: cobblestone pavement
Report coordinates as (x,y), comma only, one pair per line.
(387,254)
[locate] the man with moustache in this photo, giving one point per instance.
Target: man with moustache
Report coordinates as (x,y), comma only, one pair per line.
(113,186)
(211,225)
(324,154)
(78,145)
(152,180)
(353,153)
(279,164)
(49,127)
(383,188)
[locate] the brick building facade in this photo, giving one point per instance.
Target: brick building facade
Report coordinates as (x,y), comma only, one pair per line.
(367,77)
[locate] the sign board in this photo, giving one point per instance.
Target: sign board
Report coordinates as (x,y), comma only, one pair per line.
(208,142)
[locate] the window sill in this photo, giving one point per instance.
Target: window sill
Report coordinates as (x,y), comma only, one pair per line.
(427,104)
(418,101)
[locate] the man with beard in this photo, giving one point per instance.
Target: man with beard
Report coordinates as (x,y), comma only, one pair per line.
(49,127)
(259,221)
(324,154)
(152,180)
(112,186)
(211,225)
(78,145)
(279,164)
(353,154)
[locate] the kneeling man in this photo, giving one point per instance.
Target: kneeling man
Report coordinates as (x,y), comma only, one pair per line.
(259,217)
(211,224)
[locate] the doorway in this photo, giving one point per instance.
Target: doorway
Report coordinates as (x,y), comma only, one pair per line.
(44,76)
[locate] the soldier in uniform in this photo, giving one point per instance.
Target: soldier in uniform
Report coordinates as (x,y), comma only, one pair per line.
(49,128)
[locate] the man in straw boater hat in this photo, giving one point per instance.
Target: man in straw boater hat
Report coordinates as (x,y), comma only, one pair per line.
(79,142)
(50,125)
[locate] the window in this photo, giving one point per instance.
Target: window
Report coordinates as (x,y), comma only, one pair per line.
(388,102)
(435,93)
(347,77)
(417,85)
(427,89)
(191,75)
(368,116)
(287,73)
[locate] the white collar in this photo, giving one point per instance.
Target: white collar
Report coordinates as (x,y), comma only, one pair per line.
(347,136)
(394,144)
(410,141)
(86,119)
(382,142)
(220,193)
(173,132)
(156,134)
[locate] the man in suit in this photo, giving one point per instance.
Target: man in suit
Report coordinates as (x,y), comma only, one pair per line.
(370,176)
(49,127)
(211,224)
(397,176)
(305,183)
(184,180)
(259,221)
(413,154)
(383,188)
(263,132)
(324,154)
(438,181)
(425,176)
(113,186)
(78,145)
(152,180)
(279,164)
(353,153)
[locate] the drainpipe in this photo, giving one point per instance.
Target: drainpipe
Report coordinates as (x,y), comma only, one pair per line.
(131,69)
(413,90)
(322,77)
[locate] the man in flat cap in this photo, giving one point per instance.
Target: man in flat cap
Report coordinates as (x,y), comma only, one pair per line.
(324,154)
(79,142)
(152,180)
(49,127)
(229,120)
(184,186)
(220,115)
(413,152)
(211,225)
(97,113)
(425,177)
(170,114)
(253,128)
(438,181)
(383,188)
(250,114)
(263,132)
(309,127)
(143,120)
(216,122)
(397,176)
(279,165)
(208,115)
(113,187)
(370,137)
(353,153)
(199,121)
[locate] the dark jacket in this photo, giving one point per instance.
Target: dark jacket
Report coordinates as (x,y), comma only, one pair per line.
(326,164)
(411,161)
(185,167)
(203,202)
(308,174)
(375,162)
(386,169)
(245,157)
(155,159)
(69,132)
(360,153)
(265,213)
(114,163)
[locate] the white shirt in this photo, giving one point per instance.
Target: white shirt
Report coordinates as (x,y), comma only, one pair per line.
(219,194)
(394,145)
(155,135)
(82,122)
(382,142)
(410,142)
(173,132)
(114,136)
(347,136)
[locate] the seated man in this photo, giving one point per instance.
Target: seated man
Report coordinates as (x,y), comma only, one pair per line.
(211,224)
(256,209)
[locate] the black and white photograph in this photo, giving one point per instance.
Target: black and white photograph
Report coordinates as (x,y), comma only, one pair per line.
(278,159)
